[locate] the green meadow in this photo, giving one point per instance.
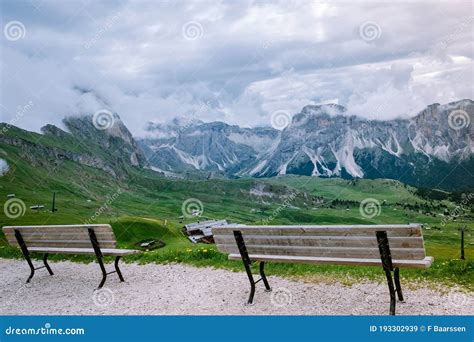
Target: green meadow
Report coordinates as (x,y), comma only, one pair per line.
(147,206)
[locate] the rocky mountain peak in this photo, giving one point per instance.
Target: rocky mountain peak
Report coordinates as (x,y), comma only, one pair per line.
(315,117)
(324,141)
(171,128)
(437,144)
(329,108)
(108,132)
(54,131)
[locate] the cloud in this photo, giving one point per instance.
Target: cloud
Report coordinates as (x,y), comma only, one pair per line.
(3,167)
(250,59)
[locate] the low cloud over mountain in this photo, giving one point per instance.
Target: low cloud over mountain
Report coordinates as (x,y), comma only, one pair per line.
(324,141)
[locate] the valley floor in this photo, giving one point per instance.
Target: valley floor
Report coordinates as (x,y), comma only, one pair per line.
(176,289)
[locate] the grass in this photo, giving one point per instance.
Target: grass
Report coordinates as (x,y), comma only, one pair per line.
(447,269)
(147,206)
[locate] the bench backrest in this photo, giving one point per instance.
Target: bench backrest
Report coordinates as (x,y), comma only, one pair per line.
(355,241)
(62,235)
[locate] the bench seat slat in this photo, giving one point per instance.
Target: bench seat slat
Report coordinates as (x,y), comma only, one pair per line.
(326,243)
(62,226)
(55,230)
(424,263)
(30,239)
(46,234)
(67,243)
(322,226)
(363,230)
(321,241)
(105,251)
(61,235)
(97,239)
(343,252)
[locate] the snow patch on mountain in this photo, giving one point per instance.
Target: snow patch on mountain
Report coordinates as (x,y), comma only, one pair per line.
(258,168)
(321,140)
(345,157)
(196,161)
(392,145)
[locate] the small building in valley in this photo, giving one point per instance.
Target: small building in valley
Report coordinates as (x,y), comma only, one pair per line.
(201,231)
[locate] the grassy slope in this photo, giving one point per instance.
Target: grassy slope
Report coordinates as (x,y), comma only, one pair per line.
(148,202)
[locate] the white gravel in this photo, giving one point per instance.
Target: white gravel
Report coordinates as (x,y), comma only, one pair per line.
(184,290)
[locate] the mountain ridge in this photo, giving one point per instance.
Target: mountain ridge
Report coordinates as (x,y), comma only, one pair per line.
(432,149)
(112,150)
(321,141)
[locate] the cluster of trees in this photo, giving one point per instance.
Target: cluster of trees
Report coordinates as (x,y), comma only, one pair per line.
(428,208)
(458,197)
(338,203)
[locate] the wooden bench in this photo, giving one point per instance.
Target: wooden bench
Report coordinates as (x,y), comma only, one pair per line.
(98,239)
(389,246)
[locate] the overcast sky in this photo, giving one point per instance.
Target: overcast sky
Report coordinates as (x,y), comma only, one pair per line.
(233,61)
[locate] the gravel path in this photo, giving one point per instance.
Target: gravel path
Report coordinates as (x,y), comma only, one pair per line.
(184,290)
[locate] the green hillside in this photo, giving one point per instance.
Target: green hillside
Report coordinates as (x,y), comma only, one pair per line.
(145,205)
(141,204)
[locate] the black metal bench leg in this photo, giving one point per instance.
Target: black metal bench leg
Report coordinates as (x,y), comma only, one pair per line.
(26,253)
(396,273)
(45,261)
(391,288)
(32,268)
(99,256)
(246,260)
(264,278)
(104,272)
(252,294)
(252,282)
(117,269)
(386,258)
